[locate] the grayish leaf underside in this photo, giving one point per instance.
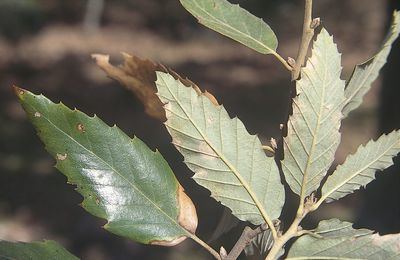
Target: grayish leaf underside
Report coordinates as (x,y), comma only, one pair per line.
(226,159)
(235,22)
(313,129)
(359,169)
(366,73)
(338,240)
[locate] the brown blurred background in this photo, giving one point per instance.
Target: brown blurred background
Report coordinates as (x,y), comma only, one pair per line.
(45,46)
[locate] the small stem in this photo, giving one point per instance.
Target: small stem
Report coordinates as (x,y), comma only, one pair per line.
(283,61)
(308,33)
(245,238)
(205,246)
(282,240)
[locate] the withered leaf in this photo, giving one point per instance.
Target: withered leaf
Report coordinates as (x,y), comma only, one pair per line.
(139,76)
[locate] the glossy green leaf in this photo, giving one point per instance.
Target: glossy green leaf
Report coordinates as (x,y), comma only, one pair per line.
(366,73)
(335,239)
(225,158)
(120,178)
(313,129)
(359,169)
(235,22)
(34,251)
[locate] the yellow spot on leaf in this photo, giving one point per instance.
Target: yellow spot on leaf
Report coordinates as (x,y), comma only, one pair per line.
(61,157)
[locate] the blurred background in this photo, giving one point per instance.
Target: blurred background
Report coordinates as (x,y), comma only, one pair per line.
(45,46)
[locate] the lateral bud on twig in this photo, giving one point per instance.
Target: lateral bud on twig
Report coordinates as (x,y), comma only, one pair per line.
(291,62)
(223,253)
(315,23)
(310,201)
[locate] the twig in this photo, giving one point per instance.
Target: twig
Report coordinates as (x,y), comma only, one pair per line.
(308,33)
(294,229)
(247,236)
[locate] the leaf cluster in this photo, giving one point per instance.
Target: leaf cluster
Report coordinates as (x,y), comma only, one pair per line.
(134,189)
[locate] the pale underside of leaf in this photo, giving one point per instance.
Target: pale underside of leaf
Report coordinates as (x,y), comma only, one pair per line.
(115,174)
(35,250)
(338,240)
(234,22)
(359,169)
(313,129)
(226,159)
(366,73)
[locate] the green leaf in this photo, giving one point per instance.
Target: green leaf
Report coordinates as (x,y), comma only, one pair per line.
(119,177)
(334,239)
(366,73)
(225,158)
(359,169)
(235,22)
(313,129)
(34,251)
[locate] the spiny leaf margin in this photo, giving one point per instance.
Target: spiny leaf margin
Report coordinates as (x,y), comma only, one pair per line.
(313,129)
(225,158)
(359,169)
(115,174)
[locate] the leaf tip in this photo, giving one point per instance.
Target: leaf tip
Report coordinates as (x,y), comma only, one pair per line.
(19,92)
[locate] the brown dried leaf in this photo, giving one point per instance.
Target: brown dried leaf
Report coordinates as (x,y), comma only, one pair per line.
(139,76)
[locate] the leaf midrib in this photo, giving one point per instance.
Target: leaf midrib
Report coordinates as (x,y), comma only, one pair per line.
(230,166)
(304,187)
(111,167)
(234,29)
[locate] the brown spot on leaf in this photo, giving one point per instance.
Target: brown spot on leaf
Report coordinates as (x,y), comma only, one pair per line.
(61,157)
(18,91)
(81,128)
(37,114)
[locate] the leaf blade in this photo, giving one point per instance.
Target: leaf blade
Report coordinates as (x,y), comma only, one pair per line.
(37,250)
(366,73)
(359,169)
(116,175)
(234,22)
(338,240)
(209,141)
(313,129)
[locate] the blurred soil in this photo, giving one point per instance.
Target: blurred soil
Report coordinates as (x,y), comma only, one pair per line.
(51,55)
